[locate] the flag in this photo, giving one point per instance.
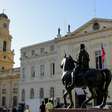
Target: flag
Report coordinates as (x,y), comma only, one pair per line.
(103,53)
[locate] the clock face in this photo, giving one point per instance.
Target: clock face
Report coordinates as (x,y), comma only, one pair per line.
(96,26)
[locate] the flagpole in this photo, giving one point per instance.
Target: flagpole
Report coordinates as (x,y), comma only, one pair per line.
(102,55)
(94,10)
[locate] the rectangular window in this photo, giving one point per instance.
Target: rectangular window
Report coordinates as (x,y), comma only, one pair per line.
(32,71)
(33,52)
(42,50)
(52,48)
(98,59)
(41,94)
(4,45)
(52,69)
(52,92)
(15,90)
(24,54)
(3,91)
(42,70)
(23,73)
(3,101)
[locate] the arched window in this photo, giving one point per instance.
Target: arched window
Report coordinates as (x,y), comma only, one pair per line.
(4,45)
(96,26)
(5,25)
(52,92)
(2,68)
(31,93)
(41,93)
(23,95)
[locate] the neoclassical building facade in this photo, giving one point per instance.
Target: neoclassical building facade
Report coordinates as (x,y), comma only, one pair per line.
(40,63)
(9,76)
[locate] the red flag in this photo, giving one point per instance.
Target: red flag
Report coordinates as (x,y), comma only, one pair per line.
(103,54)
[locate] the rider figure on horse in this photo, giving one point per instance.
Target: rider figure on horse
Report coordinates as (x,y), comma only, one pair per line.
(83,60)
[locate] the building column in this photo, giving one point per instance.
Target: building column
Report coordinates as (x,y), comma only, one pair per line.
(10,93)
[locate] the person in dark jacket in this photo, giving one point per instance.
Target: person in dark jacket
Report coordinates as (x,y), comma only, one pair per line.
(14,109)
(83,59)
(42,107)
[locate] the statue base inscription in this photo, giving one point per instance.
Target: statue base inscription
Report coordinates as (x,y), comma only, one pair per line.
(81,110)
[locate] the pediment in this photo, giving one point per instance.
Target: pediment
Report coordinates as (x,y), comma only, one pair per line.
(94,25)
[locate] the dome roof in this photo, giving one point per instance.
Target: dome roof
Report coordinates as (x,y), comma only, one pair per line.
(3,15)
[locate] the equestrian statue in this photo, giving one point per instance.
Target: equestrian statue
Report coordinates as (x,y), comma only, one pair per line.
(82,76)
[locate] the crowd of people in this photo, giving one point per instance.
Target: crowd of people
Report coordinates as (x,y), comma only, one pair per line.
(48,106)
(5,109)
(45,106)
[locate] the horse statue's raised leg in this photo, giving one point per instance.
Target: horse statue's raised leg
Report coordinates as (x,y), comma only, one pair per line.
(104,100)
(93,95)
(106,85)
(99,99)
(71,99)
(64,96)
(105,95)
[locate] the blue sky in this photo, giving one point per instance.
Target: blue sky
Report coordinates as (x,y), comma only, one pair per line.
(34,21)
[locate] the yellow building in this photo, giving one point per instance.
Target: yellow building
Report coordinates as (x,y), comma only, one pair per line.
(9,76)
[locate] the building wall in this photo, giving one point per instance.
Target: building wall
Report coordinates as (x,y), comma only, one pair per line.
(47,81)
(68,44)
(9,82)
(9,76)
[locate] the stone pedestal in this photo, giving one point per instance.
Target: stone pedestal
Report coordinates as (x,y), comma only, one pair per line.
(81,110)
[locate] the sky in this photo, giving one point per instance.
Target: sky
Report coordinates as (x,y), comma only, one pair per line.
(35,21)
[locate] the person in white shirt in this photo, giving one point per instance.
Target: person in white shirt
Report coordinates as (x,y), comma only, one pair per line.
(27,109)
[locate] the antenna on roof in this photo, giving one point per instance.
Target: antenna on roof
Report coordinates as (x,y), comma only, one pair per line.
(94,8)
(3,10)
(68,29)
(59,34)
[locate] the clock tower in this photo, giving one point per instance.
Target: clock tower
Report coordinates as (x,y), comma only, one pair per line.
(6,54)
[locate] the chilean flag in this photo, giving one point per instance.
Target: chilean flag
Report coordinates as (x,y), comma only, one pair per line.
(103,53)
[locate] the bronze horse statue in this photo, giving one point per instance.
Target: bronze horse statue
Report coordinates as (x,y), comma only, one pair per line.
(96,80)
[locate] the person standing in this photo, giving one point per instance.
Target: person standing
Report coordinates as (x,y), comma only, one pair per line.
(42,107)
(27,109)
(14,109)
(4,109)
(49,106)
